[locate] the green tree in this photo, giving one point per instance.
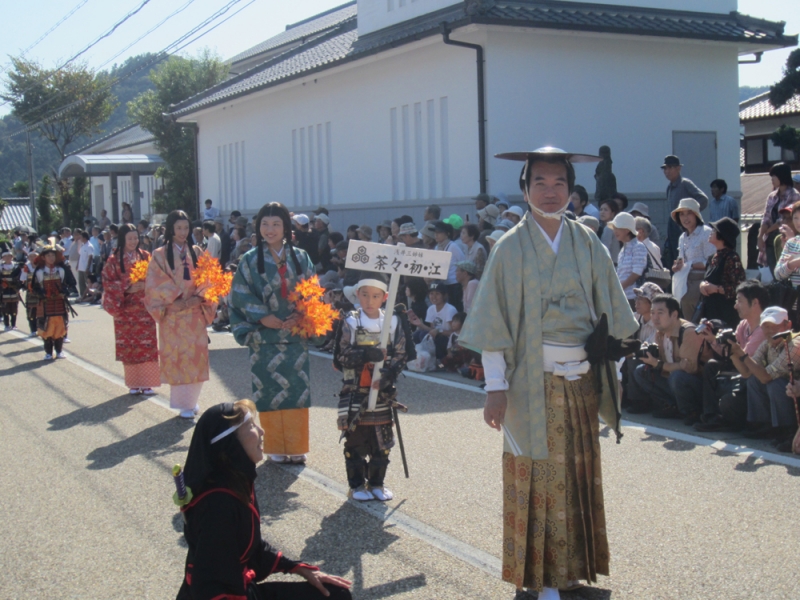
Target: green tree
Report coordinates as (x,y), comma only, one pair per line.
(49,219)
(62,105)
(787,137)
(175,80)
(20,189)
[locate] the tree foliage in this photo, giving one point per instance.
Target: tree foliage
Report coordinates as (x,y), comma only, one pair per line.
(20,189)
(175,80)
(48,218)
(785,136)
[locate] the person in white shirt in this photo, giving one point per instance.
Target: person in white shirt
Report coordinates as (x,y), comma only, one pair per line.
(643,230)
(66,238)
(438,319)
(443,233)
(85,260)
(465,274)
(211,212)
(213,243)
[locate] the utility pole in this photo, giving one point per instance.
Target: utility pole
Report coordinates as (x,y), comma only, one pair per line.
(34,219)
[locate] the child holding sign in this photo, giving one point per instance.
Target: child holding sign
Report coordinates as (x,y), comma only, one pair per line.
(368,433)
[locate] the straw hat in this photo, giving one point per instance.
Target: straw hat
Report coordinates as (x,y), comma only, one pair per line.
(689,204)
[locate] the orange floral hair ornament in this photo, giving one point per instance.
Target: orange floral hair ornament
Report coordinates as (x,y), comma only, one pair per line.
(138,270)
(209,273)
(315,317)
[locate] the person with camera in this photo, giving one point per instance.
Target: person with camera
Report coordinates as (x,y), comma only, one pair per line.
(724,389)
(770,411)
(669,379)
(646,334)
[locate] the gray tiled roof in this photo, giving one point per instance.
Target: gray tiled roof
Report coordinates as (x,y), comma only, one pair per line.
(341,44)
(305,29)
(16,212)
(759,107)
(133,135)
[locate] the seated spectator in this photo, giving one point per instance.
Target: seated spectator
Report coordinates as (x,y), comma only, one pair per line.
(487,216)
(385,233)
(241,244)
(788,266)
(671,382)
(428,234)
(590,222)
(94,289)
(694,250)
(398,223)
(352,233)
(493,238)
(482,201)
(458,358)
(646,334)
(198,237)
(724,390)
(305,237)
(438,319)
(514,214)
(364,233)
(443,233)
(339,254)
(465,275)
(770,411)
(609,210)
(643,231)
(640,210)
(475,252)
(724,274)
(409,235)
(417,295)
(504,224)
(621,200)
(632,259)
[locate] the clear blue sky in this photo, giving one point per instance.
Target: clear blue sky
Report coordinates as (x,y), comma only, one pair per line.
(24,21)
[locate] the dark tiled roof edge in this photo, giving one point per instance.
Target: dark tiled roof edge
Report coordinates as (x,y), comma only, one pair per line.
(111,135)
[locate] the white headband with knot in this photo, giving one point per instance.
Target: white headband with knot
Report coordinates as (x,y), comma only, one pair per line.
(232,428)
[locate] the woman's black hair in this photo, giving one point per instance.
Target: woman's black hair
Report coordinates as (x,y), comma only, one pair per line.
(783,172)
(472,231)
(169,231)
(335,237)
(124,231)
(612,204)
(276,209)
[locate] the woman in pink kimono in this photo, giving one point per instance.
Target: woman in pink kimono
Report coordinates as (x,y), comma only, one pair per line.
(182,315)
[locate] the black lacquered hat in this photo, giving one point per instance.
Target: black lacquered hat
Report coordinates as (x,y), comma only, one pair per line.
(549,151)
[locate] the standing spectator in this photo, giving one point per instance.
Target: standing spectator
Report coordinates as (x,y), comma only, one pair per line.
(621,200)
(443,234)
(643,230)
(146,243)
(198,237)
(725,396)
(66,239)
(724,274)
(640,209)
(211,212)
(609,210)
(694,250)
(432,213)
(482,201)
(632,262)
(782,196)
(590,222)
(722,205)
(225,242)
(95,241)
(796,181)
(428,235)
(104,222)
(232,218)
(487,216)
(127,213)
(241,243)
(465,275)
(514,214)
(385,232)
(88,218)
(306,238)
(398,223)
(788,266)
(475,253)
(85,261)
(321,224)
(579,200)
(74,248)
(213,243)
(679,188)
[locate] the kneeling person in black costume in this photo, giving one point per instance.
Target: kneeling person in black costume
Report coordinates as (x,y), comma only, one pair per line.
(368,432)
(227,554)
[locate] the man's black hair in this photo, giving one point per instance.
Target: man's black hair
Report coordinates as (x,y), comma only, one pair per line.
(435,211)
(752,289)
(208,201)
(460,317)
(670,301)
(209,226)
(721,184)
(582,194)
(236,213)
(525,176)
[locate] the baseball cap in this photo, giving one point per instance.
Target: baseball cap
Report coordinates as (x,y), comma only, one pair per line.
(774,314)
(437,286)
(454,221)
(442,227)
(324,218)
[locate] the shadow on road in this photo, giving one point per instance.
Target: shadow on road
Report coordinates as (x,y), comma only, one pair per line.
(94,415)
(25,367)
(272,490)
(153,442)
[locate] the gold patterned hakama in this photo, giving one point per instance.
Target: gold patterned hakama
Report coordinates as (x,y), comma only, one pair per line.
(554,525)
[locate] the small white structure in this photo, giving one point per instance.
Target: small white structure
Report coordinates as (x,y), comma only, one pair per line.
(122,168)
(366,109)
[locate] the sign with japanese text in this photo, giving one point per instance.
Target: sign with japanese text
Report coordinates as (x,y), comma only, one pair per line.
(397,260)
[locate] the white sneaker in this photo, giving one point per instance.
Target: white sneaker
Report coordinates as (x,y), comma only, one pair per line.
(67,340)
(14,327)
(61,355)
(382,493)
(48,356)
(298,459)
(147,391)
(187,414)
(134,391)
(196,409)
(33,334)
(361,494)
(278,458)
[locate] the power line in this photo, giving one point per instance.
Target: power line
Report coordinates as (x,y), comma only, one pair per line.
(171,49)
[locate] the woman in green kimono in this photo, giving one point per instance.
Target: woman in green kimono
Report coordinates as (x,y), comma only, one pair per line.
(261,319)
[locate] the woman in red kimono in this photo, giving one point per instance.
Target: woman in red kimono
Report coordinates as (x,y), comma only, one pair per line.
(134,328)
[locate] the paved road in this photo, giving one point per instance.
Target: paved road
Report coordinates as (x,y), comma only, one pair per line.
(85,500)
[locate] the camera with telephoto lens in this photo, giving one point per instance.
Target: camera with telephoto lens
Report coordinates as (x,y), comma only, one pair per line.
(647,350)
(726,337)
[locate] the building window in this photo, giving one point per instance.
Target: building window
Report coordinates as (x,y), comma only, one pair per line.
(773,152)
(754,151)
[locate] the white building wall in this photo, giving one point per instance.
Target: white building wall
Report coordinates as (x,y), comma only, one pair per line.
(402,127)
(579,92)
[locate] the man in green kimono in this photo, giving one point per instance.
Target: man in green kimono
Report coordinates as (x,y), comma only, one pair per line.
(547,285)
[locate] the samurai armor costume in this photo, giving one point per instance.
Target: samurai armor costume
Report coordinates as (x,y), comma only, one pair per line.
(51,309)
(9,289)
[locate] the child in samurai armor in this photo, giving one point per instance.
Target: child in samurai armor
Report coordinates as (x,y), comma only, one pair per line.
(50,288)
(10,284)
(368,432)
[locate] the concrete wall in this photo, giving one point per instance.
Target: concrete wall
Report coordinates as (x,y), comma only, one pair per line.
(397,129)
(148,184)
(377,14)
